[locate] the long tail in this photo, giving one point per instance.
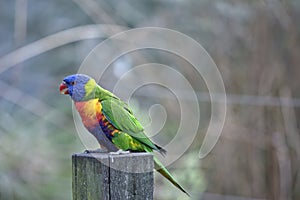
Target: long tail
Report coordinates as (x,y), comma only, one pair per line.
(163,171)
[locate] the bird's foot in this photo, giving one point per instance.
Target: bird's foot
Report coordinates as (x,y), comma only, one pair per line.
(96,151)
(120,151)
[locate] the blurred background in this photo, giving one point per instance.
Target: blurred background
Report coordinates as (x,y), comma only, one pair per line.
(255,45)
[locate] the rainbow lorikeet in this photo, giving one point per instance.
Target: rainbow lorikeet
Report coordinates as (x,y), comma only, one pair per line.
(110,119)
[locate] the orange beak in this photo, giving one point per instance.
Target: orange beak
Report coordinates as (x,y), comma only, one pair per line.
(63,88)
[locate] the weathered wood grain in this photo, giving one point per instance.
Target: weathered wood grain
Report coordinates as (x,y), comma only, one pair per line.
(106,176)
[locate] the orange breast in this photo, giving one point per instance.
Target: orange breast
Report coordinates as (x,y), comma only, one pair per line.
(90,112)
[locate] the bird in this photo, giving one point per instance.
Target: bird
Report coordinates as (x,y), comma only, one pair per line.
(111,120)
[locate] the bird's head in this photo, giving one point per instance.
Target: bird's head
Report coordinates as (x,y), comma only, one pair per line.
(79,86)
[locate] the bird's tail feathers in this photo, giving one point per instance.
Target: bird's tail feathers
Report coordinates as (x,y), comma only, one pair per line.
(161,150)
(163,171)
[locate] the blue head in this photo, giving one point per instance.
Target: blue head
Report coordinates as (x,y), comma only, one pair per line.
(79,86)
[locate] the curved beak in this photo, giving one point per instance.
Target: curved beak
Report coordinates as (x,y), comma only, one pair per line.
(63,88)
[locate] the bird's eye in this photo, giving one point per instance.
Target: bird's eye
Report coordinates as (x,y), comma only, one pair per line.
(72,83)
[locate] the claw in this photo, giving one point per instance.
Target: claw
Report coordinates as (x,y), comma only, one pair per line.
(120,151)
(96,151)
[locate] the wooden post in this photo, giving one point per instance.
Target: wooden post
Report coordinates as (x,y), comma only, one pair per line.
(105,176)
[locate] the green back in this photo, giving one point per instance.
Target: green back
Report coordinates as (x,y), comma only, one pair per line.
(121,116)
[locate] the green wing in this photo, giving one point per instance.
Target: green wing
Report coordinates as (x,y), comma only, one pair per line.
(119,114)
(121,117)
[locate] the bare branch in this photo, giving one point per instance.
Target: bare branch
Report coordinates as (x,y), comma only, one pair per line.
(56,40)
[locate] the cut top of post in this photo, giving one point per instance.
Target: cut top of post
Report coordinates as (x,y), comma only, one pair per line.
(109,176)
